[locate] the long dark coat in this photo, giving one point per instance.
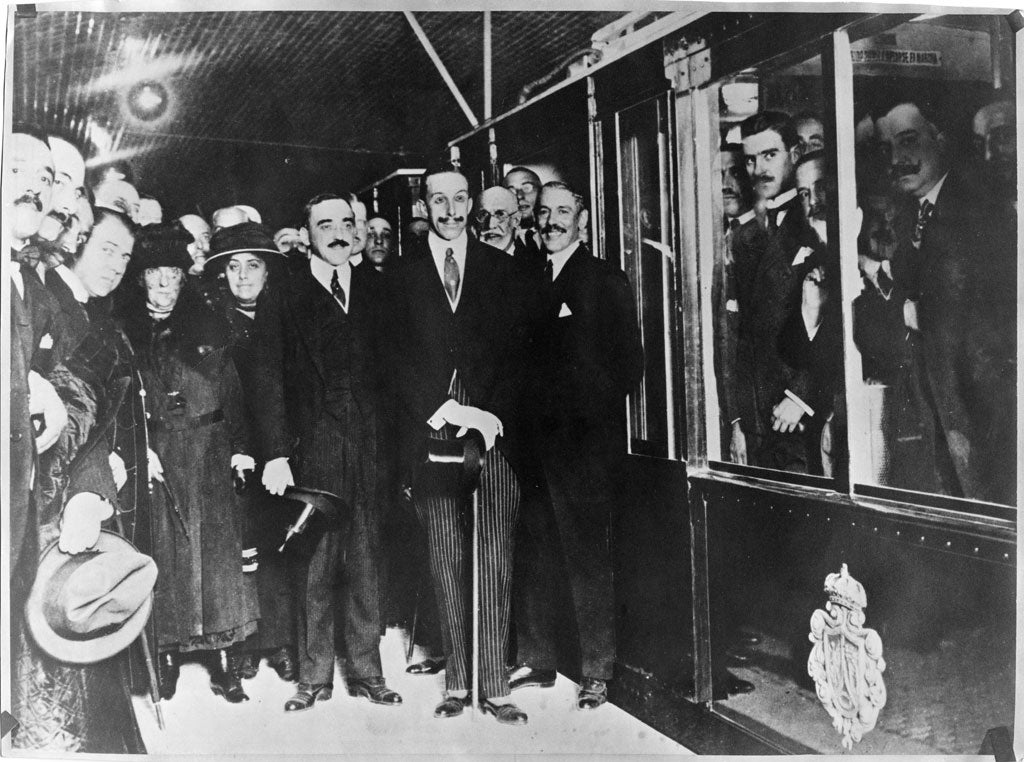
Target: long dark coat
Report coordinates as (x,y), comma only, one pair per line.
(203,599)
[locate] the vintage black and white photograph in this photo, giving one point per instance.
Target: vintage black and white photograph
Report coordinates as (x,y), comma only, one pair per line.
(462,381)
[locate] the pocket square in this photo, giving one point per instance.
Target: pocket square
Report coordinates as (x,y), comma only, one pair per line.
(801,255)
(564,311)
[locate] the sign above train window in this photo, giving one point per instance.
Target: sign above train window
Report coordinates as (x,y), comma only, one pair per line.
(890,57)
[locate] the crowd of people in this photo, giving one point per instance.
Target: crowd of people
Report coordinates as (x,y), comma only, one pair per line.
(935,323)
(187,386)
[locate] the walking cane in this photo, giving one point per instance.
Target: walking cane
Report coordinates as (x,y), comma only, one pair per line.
(147,655)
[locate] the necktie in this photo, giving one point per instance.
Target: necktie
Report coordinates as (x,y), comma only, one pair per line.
(924,213)
(773,220)
(451,275)
(549,273)
(337,290)
(884,282)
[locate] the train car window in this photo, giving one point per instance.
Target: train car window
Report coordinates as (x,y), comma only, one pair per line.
(932,403)
(646,243)
(775,305)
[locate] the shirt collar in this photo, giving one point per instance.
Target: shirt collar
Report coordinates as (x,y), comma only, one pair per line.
(74,283)
(439,245)
(933,194)
(355,259)
(746,217)
(558,260)
(781,199)
(323,271)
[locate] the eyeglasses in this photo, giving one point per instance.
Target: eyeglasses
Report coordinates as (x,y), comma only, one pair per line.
(499,216)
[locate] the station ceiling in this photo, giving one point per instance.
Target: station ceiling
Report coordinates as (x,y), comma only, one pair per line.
(339,96)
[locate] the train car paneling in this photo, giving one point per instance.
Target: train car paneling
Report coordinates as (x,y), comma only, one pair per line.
(940,596)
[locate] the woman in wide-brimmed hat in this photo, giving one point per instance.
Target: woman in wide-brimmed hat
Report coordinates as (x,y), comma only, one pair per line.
(245,264)
(204,601)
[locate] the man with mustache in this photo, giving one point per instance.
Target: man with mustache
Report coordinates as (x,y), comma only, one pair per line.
(766,255)
(458,317)
(318,375)
(955,274)
(30,175)
(526,185)
(68,192)
(586,358)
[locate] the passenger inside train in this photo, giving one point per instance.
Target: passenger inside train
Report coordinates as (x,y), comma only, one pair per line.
(678,390)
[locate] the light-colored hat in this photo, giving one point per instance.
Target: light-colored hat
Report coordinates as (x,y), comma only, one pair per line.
(88,607)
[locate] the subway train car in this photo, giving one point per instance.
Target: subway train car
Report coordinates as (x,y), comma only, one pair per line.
(815,532)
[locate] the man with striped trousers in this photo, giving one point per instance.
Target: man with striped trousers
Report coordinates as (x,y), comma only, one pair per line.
(457,314)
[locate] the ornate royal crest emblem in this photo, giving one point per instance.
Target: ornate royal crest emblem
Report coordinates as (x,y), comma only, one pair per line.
(846,661)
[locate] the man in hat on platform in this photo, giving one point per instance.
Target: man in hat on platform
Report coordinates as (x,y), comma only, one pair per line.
(317,376)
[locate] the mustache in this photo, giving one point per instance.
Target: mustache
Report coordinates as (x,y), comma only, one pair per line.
(553,227)
(455,220)
(30,198)
(764,178)
(339,243)
(61,217)
(902,170)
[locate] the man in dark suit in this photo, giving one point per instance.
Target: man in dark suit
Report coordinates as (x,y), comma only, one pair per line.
(317,377)
(766,252)
(457,345)
(525,184)
(587,358)
(955,274)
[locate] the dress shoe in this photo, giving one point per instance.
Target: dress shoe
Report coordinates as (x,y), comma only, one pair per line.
(593,693)
(738,657)
(450,706)
(506,714)
(375,689)
(307,695)
(245,666)
(527,677)
(426,667)
(224,682)
(283,663)
(169,672)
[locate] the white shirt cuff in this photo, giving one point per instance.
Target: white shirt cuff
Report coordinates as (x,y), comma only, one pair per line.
(99,505)
(803,405)
(438,419)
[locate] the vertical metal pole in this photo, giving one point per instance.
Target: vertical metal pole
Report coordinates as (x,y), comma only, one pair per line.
(487,66)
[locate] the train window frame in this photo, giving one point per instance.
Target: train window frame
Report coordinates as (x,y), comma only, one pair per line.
(931,504)
(710,238)
(837,111)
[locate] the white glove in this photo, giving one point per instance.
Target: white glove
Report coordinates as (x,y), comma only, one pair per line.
(156,468)
(468,417)
(80,522)
(240,462)
(277,475)
(44,400)
(118,470)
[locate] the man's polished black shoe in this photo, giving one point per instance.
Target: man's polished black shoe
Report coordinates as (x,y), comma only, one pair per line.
(225,682)
(593,693)
(450,706)
(506,714)
(728,685)
(169,671)
(375,689)
(283,662)
(307,695)
(527,677)
(426,667)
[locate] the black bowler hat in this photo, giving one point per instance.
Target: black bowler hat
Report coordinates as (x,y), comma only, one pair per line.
(243,238)
(164,245)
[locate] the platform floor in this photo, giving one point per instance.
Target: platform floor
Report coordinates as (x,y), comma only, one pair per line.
(200,723)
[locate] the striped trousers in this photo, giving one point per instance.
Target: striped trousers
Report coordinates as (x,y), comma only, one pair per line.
(447,516)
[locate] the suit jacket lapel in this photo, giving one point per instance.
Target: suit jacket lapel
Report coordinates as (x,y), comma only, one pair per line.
(301,305)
